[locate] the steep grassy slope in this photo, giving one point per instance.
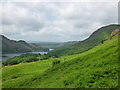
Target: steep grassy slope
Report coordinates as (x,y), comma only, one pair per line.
(96,68)
(82,46)
(11,46)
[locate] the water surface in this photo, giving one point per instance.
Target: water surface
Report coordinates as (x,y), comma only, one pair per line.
(11,55)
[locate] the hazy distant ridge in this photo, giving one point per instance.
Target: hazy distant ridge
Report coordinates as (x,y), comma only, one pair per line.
(12,46)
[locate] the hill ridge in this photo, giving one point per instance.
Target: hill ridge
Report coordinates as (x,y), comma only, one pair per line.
(12,46)
(94,39)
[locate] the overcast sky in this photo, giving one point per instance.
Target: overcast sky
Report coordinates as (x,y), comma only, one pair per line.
(56,21)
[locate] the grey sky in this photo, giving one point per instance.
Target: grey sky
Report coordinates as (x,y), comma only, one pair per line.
(56,21)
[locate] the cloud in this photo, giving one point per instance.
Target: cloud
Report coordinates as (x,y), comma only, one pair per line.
(56,21)
(60,1)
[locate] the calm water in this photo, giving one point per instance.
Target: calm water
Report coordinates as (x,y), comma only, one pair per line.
(7,56)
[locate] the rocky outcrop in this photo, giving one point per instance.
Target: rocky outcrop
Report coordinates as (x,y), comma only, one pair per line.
(115,32)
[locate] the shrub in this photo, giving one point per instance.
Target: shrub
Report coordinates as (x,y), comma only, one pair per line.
(56,61)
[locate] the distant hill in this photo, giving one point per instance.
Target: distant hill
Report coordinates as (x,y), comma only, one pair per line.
(55,45)
(12,46)
(96,38)
(66,44)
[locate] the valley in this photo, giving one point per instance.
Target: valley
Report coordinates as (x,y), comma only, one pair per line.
(54,44)
(96,67)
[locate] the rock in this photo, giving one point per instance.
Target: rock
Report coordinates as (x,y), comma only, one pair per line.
(115,32)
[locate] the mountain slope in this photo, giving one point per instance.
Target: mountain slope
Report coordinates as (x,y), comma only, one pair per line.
(82,46)
(96,68)
(11,46)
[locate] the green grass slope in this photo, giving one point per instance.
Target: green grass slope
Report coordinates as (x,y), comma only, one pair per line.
(96,38)
(96,68)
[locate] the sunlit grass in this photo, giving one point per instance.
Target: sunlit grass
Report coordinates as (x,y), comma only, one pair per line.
(96,68)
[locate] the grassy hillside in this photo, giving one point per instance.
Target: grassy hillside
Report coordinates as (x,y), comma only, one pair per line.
(11,46)
(96,68)
(82,46)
